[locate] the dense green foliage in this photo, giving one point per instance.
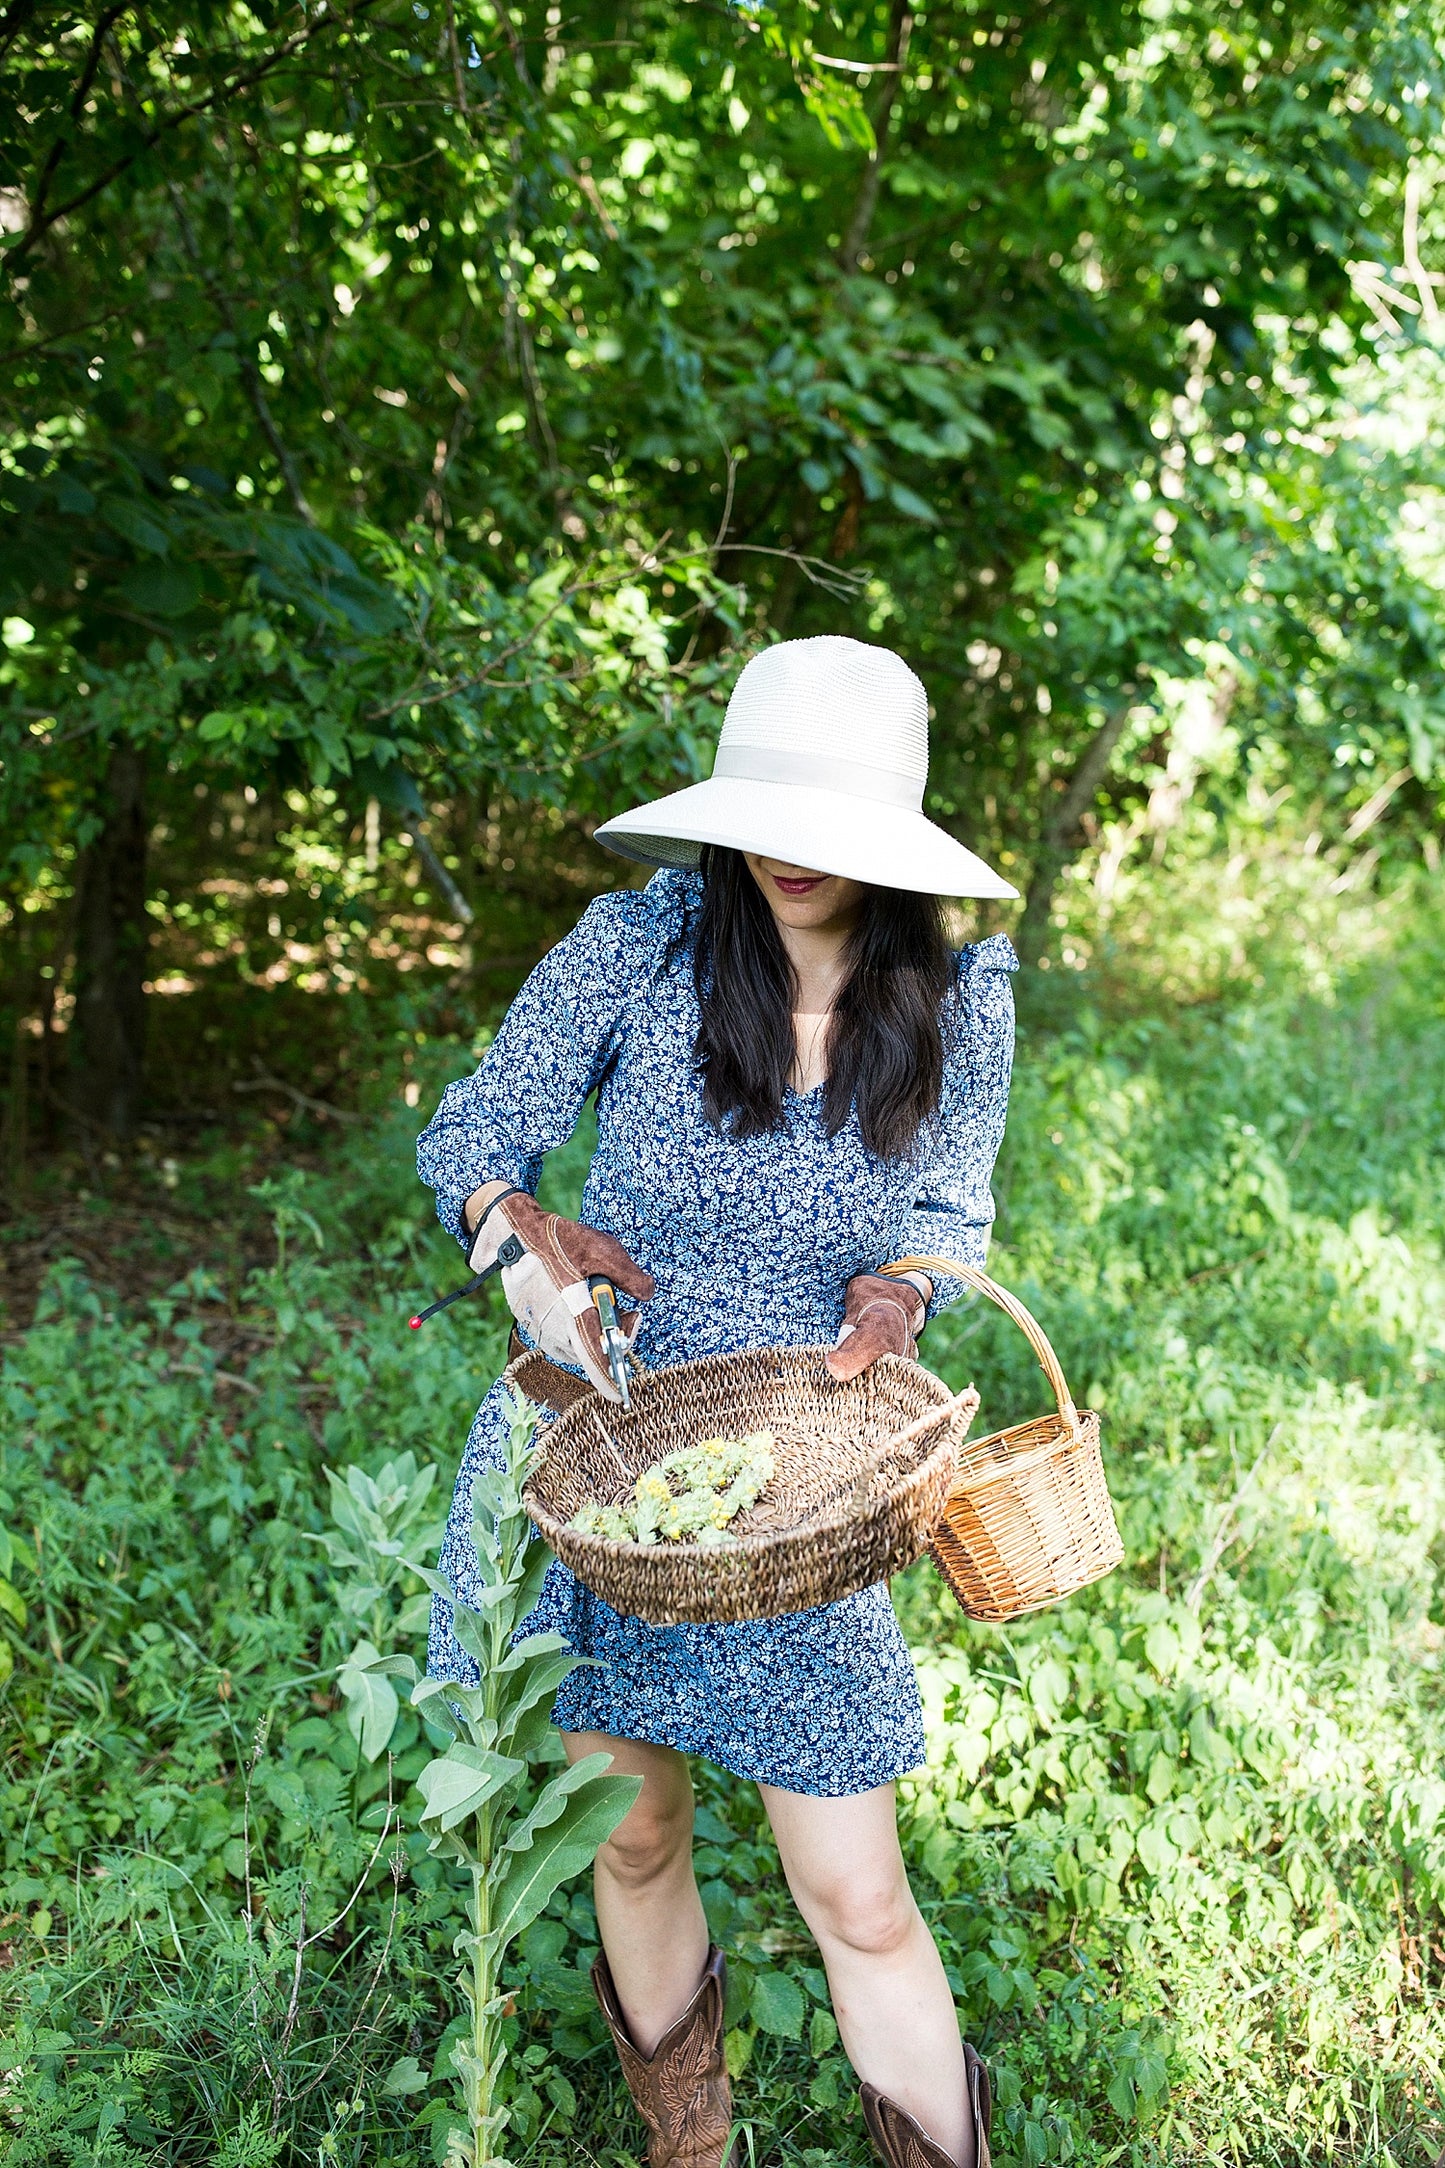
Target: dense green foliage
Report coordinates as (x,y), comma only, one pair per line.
(1183,1840)
(410,413)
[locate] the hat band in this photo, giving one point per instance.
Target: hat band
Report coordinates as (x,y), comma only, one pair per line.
(818,771)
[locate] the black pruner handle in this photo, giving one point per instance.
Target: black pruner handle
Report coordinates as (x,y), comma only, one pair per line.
(511,1252)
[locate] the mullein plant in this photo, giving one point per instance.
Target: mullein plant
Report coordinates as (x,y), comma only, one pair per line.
(516,1834)
(380,1520)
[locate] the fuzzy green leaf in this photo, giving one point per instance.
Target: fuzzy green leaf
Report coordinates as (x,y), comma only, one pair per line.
(434,1697)
(371,1700)
(551,1801)
(560,1852)
(405,2076)
(461,1780)
(436,1582)
(534,1573)
(397,1667)
(531,1687)
(493,1496)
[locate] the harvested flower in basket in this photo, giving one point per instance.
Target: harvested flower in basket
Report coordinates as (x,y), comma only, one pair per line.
(692,1496)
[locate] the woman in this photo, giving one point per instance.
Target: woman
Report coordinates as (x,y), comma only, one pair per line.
(796,1081)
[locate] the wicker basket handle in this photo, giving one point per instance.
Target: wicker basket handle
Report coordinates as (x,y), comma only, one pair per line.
(962,1403)
(1028,1325)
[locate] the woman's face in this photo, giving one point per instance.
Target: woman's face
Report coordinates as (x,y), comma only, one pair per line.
(806,901)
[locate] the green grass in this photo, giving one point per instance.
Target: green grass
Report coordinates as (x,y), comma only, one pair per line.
(1182,1840)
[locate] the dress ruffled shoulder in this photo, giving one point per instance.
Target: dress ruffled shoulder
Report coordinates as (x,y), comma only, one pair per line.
(643,922)
(981,957)
(978,1030)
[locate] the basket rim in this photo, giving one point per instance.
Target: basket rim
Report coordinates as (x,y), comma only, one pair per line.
(1082,1435)
(693,1556)
(888,1365)
(1036,1422)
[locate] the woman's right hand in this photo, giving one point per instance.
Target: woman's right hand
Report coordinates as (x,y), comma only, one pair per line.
(546,1285)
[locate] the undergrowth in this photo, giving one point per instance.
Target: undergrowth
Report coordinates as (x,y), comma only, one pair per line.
(1182,1840)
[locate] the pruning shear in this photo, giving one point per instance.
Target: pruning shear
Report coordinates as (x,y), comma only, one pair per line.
(604,1302)
(614,1340)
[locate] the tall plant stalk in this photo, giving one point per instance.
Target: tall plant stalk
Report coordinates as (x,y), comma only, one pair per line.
(519,1836)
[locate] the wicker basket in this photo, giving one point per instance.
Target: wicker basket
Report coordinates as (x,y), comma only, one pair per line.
(863,1469)
(1028,1519)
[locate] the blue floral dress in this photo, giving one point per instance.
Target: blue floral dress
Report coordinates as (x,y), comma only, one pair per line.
(752,1242)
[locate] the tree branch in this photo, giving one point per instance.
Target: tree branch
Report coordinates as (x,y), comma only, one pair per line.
(121,312)
(77,105)
(1061,834)
(41,220)
(900,29)
(13,21)
(458,78)
(246,367)
(426,852)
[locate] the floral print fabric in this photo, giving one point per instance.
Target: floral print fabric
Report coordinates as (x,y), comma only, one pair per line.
(752,1242)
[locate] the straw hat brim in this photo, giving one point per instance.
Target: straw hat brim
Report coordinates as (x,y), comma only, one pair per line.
(829,831)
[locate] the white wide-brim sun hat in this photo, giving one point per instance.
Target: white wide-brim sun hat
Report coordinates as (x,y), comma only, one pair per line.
(822,762)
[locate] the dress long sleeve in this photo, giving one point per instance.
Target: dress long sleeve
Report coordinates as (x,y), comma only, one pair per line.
(953,1207)
(552,1049)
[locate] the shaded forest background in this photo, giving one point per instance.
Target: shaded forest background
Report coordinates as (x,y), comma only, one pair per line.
(411,416)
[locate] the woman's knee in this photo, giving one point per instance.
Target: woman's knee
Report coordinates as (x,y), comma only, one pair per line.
(873,1916)
(648,1844)
(657,1829)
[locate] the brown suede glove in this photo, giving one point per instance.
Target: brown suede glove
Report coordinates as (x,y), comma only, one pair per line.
(547,1285)
(882,1317)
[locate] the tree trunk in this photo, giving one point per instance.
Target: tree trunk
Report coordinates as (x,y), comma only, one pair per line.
(15,1130)
(1062,833)
(855,240)
(111,930)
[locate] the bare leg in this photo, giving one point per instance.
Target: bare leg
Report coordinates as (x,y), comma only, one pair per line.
(893,2005)
(648,1908)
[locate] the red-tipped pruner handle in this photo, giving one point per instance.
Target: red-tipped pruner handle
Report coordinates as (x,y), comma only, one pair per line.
(510,1253)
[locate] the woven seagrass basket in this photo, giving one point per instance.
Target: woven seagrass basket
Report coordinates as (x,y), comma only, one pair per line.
(1028,1518)
(863,1469)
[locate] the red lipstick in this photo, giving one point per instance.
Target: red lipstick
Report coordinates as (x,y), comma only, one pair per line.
(799,888)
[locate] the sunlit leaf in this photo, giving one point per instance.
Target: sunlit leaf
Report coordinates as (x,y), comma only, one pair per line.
(461,1780)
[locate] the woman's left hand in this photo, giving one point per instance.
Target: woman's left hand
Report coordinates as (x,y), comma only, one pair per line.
(883,1316)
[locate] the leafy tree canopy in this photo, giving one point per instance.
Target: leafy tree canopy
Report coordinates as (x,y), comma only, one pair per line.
(425,400)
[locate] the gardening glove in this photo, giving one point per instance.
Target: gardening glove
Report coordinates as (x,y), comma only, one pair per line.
(882,1316)
(546,1284)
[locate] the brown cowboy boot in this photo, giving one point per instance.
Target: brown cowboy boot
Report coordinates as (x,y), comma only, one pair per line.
(681,2090)
(902,2143)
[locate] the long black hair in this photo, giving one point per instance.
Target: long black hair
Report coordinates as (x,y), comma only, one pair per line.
(885,1037)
